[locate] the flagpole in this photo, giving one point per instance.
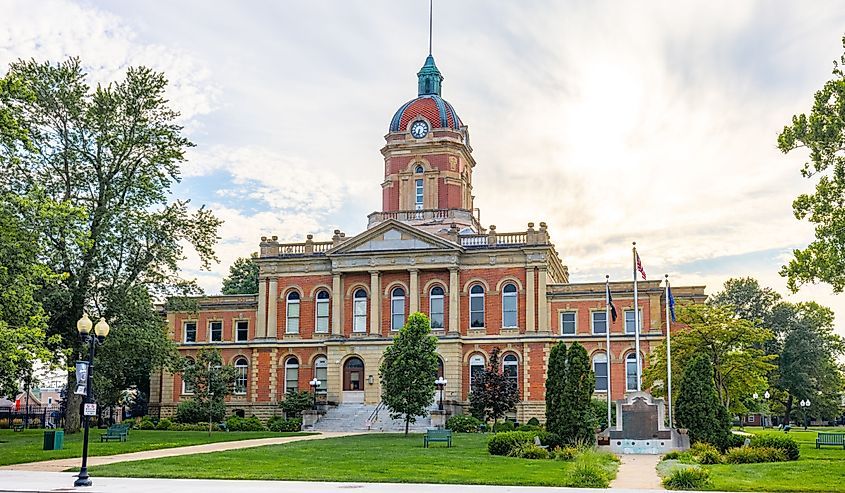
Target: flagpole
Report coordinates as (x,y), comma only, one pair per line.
(636,318)
(668,353)
(607,346)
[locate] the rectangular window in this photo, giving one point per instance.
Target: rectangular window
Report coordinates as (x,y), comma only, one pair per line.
(292,326)
(360,320)
(241,330)
(509,311)
(418,198)
(629,321)
(322,316)
(567,323)
(240,380)
(436,312)
(397,308)
(291,379)
(631,374)
(216,330)
(599,322)
(190,332)
(600,369)
(476,311)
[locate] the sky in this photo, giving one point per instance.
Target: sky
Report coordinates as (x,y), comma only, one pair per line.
(614,122)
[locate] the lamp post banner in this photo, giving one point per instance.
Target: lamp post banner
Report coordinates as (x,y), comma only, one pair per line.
(81,378)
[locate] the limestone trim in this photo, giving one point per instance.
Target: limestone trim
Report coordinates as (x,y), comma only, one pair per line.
(506,280)
(472,352)
(414,291)
(454,302)
(313,360)
(530,324)
(261,314)
(544,324)
(375,303)
(432,283)
(240,355)
(568,309)
(473,281)
(337,305)
(509,350)
(253,380)
(387,291)
(313,294)
(355,286)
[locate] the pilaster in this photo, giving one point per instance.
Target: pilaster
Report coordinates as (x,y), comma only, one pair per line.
(454,302)
(530,326)
(337,305)
(414,288)
(274,372)
(543,311)
(375,302)
(272,306)
(261,315)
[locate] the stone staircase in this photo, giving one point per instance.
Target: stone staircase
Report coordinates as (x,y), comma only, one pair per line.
(353,417)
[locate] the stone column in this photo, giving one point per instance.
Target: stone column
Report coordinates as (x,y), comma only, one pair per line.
(272,306)
(454,302)
(414,295)
(261,315)
(530,326)
(337,305)
(375,302)
(543,309)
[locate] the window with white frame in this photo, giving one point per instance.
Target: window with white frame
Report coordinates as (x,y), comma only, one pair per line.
(631,372)
(241,330)
(215,328)
(600,370)
(359,310)
(599,320)
(292,324)
(322,325)
(291,375)
(321,373)
(509,306)
(510,367)
(629,321)
(397,308)
(567,323)
(418,194)
(241,372)
(190,330)
(476,368)
(187,388)
(476,306)
(435,307)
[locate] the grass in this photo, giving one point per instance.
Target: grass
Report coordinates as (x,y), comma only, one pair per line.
(821,470)
(391,458)
(26,446)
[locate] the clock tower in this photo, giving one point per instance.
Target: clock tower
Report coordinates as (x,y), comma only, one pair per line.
(428,162)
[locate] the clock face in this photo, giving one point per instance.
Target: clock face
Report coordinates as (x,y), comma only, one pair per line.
(419,129)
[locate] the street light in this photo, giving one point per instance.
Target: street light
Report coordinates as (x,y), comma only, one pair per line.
(92,338)
(805,406)
(314,384)
(441,384)
(766,396)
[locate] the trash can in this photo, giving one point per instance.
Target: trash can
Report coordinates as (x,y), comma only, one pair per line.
(54,440)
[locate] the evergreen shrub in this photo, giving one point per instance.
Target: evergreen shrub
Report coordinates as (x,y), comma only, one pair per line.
(278,424)
(550,439)
(502,426)
(146,424)
(463,423)
(528,451)
(533,422)
(503,443)
(164,424)
(753,455)
(776,440)
(698,407)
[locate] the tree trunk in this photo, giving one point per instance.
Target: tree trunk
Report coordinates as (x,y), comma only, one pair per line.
(788,412)
(407,423)
(72,417)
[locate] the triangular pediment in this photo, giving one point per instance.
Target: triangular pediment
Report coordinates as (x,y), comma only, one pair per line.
(393,235)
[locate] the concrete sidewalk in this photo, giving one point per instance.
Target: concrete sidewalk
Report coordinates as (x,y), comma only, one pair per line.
(53,482)
(637,472)
(59,465)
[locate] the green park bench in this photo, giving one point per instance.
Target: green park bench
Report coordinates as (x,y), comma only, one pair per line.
(830,439)
(17,427)
(432,436)
(115,432)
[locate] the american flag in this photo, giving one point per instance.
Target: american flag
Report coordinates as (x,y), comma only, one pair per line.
(640,266)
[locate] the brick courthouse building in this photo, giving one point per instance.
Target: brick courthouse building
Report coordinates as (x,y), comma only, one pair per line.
(328,309)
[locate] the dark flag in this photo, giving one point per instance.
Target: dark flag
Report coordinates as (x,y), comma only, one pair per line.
(610,303)
(671,304)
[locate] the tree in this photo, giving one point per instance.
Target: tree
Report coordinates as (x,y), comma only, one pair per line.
(243,276)
(211,382)
(408,370)
(698,408)
(493,394)
(555,389)
(113,154)
(578,423)
(733,346)
(822,132)
(295,402)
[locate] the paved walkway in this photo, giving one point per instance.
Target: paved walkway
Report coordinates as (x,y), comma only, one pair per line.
(637,472)
(59,465)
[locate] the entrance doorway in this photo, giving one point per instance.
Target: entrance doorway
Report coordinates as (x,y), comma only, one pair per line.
(353,375)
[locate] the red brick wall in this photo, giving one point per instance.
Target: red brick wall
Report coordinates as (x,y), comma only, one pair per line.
(492,297)
(442,280)
(358,278)
(307,286)
(485,350)
(583,324)
(204,317)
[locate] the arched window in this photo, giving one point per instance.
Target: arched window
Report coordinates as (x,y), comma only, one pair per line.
(631,372)
(397,308)
(359,309)
(476,368)
(511,369)
(419,169)
(291,374)
(418,193)
(322,325)
(187,388)
(292,326)
(509,306)
(241,366)
(321,373)
(476,306)
(600,370)
(435,307)
(353,374)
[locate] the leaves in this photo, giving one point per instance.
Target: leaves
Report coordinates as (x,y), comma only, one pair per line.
(243,276)
(698,407)
(493,393)
(569,390)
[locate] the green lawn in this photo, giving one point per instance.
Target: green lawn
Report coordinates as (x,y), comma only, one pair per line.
(26,446)
(364,458)
(815,470)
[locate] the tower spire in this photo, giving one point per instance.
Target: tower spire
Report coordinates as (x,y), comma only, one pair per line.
(430,23)
(429,77)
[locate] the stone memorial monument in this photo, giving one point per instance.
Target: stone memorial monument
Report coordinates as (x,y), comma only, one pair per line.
(640,427)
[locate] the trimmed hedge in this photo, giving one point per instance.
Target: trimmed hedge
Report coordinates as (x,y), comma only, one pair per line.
(279,424)
(503,426)
(252,423)
(146,424)
(528,451)
(779,441)
(164,424)
(503,443)
(463,423)
(754,455)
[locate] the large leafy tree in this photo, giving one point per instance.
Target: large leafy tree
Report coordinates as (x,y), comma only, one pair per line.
(699,408)
(578,422)
(733,345)
(211,381)
(112,152)
(243,277)
(555,389)
(408,370)
(493,394)
(822,133)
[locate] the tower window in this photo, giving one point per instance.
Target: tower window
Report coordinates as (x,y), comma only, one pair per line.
(419,169)
(418,197)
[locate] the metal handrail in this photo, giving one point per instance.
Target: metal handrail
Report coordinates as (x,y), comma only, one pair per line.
(374,415)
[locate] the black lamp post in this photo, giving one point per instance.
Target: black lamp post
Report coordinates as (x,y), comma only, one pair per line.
(805,406)
(92,338)
(441,384)
(314,384)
